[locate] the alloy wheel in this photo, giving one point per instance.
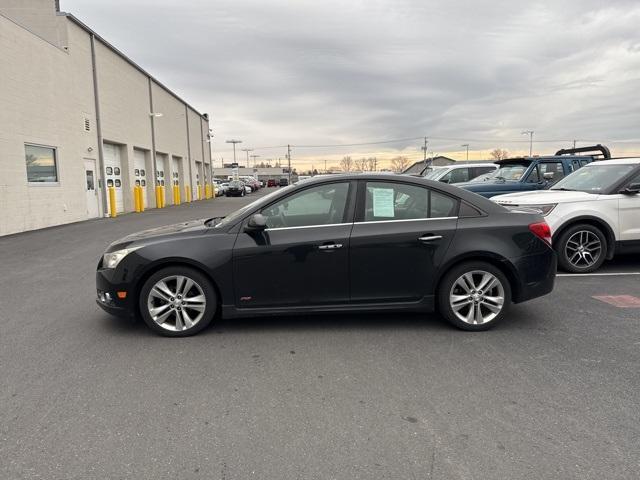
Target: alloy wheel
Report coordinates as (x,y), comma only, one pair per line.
(583,249)
(477,297)
(176,303)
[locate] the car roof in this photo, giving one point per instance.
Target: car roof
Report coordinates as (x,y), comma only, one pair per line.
(617,161)
(477,164)
(470,197)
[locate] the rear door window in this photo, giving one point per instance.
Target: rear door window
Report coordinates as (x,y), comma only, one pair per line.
(386,201)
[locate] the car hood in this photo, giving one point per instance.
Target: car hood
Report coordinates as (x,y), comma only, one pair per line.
(160,233)
(488,185)
(543,197)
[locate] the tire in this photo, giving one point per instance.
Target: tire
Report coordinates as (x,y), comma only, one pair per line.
(471,300)
(174,320)
(594,248)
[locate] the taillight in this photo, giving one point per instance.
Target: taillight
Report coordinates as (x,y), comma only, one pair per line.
(542,231)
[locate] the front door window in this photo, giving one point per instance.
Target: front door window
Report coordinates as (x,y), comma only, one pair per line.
(321,205)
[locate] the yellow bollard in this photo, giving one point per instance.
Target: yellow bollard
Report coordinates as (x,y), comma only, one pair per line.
(136,199)
(141,195)
(158,196)
(199,192)
(112,201)
(163,196)
(187,193)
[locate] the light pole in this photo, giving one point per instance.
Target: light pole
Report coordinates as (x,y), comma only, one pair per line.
(424,149)
(530,133)
(234,148)
(247,150)
(254,160)
(466,145)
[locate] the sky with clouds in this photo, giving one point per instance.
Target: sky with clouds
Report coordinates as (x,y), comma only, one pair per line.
(335,72)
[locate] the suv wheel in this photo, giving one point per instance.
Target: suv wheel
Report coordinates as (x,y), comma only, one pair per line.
(581,248)
(474,296)
(177,301)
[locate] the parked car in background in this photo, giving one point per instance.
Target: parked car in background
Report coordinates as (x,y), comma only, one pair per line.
(534,173)
(283,182)
(272,182)
(248,188)
(236,188)
(224,186)
(342,239)
(459,173)
(251,182)
(594,213)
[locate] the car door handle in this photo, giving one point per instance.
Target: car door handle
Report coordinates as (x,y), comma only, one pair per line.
(330,246)
(429,238)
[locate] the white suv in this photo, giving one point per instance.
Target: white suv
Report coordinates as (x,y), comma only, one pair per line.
(593,213)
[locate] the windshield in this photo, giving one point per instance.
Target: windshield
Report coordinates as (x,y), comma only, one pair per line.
(510,171)
(235,216)
(235,184)
(433,173)
(593,178)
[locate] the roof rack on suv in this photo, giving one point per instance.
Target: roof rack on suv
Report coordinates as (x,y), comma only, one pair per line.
(604,151)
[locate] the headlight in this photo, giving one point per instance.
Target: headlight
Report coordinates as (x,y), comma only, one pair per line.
(542,209)
(112,259)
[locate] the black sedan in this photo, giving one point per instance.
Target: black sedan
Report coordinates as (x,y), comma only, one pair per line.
(336,243)
(236,189)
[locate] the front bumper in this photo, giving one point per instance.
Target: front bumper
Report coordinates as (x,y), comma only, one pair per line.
(107,295)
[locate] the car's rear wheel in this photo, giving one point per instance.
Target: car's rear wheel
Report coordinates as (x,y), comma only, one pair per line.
(177,301)
(581,248)
(474,296)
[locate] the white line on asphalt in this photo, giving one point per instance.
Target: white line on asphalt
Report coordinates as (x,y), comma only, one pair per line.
(596,274)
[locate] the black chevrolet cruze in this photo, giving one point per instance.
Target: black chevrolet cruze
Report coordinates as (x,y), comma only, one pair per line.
(348,243)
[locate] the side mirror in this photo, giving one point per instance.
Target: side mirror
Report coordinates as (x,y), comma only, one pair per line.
(632,189)
(257,222)
(548,175)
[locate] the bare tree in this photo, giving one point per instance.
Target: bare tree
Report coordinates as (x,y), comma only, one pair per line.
(499,154)
(372,164)
(399,164)
(361,165)
(346,164)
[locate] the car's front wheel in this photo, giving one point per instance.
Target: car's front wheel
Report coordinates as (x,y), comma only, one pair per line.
(177,301)
(581,248)
(474,296)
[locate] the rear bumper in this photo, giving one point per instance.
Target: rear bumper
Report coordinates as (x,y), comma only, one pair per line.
(536,275)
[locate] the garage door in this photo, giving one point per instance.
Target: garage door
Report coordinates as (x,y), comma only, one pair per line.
(140,173)
(113,172)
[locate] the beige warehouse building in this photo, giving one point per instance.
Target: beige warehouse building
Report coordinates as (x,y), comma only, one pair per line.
(77,116)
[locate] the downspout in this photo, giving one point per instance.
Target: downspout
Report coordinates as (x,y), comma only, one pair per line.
(153,139)
(96,98)
(186,116)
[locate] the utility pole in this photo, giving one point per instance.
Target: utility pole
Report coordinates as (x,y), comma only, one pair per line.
(466,145)
(530,133)
(424,149)
(234,148)
(325,165)
(254,160)
(247,150)
(289,160)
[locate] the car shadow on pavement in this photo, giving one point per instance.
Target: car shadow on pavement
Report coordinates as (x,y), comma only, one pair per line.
(519,319)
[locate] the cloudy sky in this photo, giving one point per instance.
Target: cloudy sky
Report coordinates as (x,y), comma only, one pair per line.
(336,72)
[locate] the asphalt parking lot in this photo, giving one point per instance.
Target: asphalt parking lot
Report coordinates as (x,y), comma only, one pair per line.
(553,392)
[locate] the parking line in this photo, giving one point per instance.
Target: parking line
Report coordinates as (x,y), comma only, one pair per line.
(612,274)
